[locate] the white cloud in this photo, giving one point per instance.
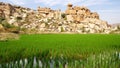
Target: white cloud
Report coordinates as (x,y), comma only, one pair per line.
(57,2)
(110,11)
(94,2)
(62,2)
(18,2)
(78,2)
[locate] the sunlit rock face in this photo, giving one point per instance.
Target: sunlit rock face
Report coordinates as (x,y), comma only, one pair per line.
(75,19)
(77,13)
(1,28)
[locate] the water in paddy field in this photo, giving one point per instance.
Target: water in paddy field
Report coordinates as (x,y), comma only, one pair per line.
(102,60)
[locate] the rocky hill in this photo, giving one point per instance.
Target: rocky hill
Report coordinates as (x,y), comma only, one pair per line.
(74,19)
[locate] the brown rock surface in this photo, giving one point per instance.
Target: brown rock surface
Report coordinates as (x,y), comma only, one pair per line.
(1,28)
(80,13)
(76,19)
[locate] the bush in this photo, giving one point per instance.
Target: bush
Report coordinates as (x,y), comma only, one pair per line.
(9,27)
(6,24)
(19,18)
(118,27)
(63,15)
(1,19)
(62,30)
(14,30)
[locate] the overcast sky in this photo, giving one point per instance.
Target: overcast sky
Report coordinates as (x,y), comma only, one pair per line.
(109,10)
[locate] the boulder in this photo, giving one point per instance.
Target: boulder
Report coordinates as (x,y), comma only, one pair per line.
(15,24)
(70,18)
(11,21)
(42,25)
(80,25)
(1,27)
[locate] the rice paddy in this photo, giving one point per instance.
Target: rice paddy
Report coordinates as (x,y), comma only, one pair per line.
(61,51)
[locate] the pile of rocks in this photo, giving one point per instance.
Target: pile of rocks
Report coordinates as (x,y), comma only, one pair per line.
(77,13)
(52,25)
(74,20)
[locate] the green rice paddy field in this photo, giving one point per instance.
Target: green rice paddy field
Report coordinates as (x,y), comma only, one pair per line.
(65,47)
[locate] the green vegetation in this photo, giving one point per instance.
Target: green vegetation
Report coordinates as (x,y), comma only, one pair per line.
(9,27)
(4,22)
(75,49)
(1,19)
(64,16)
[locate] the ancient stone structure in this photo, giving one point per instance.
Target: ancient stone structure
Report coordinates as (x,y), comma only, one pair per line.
(76,13)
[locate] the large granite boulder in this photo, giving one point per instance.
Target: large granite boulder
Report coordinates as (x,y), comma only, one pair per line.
(1,28)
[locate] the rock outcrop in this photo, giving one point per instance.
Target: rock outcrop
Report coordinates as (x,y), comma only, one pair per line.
(77,13)
(74,20)
(1,28)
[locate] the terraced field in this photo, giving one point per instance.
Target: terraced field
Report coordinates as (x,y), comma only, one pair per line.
(61,51)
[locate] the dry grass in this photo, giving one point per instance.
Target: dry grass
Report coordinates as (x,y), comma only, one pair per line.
(8,36)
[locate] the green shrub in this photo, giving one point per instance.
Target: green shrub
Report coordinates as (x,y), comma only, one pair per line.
(19,18)
(15,30)
(6,24)
(62,30)
(1,19)
(63,15)
(118,27)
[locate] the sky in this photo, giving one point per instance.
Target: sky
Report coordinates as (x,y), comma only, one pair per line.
(109,10)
